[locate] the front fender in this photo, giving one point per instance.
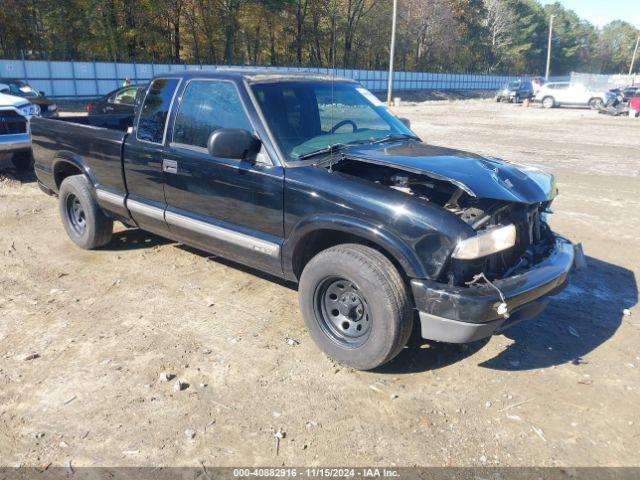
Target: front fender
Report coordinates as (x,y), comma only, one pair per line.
(405,254)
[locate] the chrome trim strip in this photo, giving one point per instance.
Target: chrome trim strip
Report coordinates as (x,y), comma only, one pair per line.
(154,213)
(188,147)
(236,238)
(112,198)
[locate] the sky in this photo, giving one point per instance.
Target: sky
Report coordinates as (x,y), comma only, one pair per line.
(601,12)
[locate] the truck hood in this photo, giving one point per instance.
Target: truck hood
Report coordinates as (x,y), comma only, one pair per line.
(12,101)
(478,176)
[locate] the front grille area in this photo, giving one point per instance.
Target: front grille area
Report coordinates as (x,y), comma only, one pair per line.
(533,242)
(11,122)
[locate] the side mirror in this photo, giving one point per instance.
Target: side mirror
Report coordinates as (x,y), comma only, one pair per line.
(42,94)
(406,121)
(233,143)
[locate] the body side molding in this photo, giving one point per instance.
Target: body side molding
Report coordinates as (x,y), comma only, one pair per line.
(226,235)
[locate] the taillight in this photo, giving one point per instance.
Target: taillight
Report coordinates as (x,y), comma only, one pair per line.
(88,108)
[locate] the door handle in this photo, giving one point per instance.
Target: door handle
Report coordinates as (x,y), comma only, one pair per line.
(169,166)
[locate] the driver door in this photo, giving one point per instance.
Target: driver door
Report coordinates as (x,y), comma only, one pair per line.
(230,207)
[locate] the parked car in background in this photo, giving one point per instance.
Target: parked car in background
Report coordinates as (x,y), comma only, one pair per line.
(312,179)
(15,134)
(625,93)
(121,100)
(557,94)
(20,88)
(515,91)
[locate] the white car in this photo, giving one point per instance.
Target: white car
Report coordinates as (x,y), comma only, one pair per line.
(557,94)
(15,132)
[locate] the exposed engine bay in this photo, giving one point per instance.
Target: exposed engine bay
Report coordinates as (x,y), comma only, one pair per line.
(534,238)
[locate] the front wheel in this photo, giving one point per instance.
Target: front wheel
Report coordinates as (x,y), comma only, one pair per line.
(355,305)
(83,219)
(595,103)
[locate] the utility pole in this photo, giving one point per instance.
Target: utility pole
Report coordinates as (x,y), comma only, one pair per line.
(633,59)
(392,51)
(549,47)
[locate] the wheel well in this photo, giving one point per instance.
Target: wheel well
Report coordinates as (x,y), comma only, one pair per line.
(63,170)
(315,242)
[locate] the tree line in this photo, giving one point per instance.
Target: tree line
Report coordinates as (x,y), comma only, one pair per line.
(482,36)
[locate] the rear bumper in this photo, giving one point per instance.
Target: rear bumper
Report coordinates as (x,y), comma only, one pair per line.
(464,314)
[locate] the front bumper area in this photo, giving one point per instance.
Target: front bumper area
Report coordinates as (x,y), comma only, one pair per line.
(465,314)
(15,142)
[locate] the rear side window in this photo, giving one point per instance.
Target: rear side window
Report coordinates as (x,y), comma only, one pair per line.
(155,110)
(206,106)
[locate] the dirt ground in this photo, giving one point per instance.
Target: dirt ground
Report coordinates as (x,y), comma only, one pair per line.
(562,390)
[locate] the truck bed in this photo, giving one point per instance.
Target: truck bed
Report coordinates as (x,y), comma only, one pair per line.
(92,141)
(111,122)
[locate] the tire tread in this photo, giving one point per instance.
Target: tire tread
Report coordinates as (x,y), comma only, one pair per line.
(102,226)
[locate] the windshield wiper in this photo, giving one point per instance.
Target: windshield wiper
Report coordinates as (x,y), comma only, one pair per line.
(394,136)
(333,148)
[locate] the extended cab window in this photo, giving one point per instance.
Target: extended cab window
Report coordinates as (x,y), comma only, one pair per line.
(206,106)
(155,110)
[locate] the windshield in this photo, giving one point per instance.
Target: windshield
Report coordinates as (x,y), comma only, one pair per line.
(23,89)
(308,116)
(513,85)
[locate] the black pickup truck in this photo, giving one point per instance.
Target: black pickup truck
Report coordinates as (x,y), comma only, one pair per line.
(312,179)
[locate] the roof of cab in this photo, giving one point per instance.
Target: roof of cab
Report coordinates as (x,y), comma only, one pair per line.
(253,75)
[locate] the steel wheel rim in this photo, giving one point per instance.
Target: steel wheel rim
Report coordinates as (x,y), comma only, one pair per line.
(76,215)
(342,312)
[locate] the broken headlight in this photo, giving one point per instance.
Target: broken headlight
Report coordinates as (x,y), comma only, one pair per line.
(485,243)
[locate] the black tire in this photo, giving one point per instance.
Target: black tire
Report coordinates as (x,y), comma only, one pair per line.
(595,103)
(22,161)
(83,219)
(383,305)
(548,102)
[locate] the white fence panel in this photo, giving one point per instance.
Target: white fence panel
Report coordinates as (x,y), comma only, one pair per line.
(91,79)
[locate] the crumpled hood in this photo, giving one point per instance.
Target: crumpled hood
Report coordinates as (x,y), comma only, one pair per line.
(478,176)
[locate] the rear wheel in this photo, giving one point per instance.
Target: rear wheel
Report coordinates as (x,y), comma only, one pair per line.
(22,161)
(548,102)
(83,219)
(355,305)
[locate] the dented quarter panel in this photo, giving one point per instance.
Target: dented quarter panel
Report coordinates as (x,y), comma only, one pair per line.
(478,176)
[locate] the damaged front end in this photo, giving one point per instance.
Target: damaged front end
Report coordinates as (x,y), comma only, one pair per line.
(507,269)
